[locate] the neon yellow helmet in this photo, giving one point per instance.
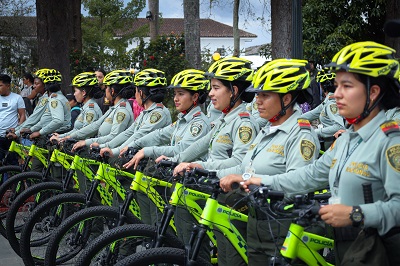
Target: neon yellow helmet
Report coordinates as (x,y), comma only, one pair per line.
(190,79)
(41,73)
(118,77)
(367,58)
(281,76)
(231,69)
(48,75)
(150,77)
(323,76)
(85,79)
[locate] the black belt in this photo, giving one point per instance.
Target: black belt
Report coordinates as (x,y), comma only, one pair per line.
(392,232)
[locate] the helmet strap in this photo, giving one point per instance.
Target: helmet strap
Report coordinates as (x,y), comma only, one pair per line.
(282,112)
(232,100)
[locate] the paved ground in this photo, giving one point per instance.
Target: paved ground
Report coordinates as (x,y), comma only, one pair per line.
(7,254)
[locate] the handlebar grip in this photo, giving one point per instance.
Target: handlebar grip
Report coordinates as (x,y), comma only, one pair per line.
(253,187)
(167,163)
(276,195)
(200,171)
(235,185)
(367,191)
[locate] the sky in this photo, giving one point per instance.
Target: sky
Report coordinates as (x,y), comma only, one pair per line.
(223,13)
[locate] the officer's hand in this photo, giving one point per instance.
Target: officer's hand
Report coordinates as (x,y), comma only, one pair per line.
(191,166)
(54,137)
(162,157)
(78,145)
(123,150)
(95,144)
(338,133)
(104,150)
(336,215)
(135,160)
(65,138)
(252,181)
(226,182)
(11,130)
(11,135)
(23,130)
(34,135)
(180,169)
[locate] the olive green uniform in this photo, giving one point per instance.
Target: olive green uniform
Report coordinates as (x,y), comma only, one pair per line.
(34,118)
(369,154)
(275,150)
(90,112)
(330,120)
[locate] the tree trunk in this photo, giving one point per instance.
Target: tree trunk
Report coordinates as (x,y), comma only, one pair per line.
(281,26)
(56,32)
(154,7)
(393,12)
(236,36)
(191,13)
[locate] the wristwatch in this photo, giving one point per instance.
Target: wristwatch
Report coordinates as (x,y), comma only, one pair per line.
(357,216)
(246,176)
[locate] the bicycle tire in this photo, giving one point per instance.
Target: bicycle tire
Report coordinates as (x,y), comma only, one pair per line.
(23,206)
(5,169)
(163,256)
(8,193)
(40,220)
(62,236)
(97,251)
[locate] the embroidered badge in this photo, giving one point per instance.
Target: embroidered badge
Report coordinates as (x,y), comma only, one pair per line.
(122,104)
(255,106)
(89,117)
(120,117)
(43,102)
(91,105)
(108,120)
(244,114)
(307,149)
(195,129)
(245,134)
(333,163)
(304,124)
(80,118)
(106,101)
(333,108)
(54,104)
(389,127)
(155,117)
(4,104)
(252,146)
(393,157)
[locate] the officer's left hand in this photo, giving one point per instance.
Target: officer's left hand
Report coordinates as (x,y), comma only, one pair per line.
(104,150)
(336,215)
(180,169)
(79,144)
(95,144)
(135,160)
(226,182)
(162,157)
(252,181)
(191,166)
(34,135)
(122,151)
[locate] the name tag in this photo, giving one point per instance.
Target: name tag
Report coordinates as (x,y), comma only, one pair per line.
(4,104)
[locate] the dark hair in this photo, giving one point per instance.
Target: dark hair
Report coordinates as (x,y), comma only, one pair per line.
(125,91)
(5,78)
(102,71)
(242,85)
(303,96)
(389,87)
(53,87)
(91,91)
(202,95)
(29,76)
(156,95)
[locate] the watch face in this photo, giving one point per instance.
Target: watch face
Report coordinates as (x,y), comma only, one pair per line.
(246,176)
(357,217)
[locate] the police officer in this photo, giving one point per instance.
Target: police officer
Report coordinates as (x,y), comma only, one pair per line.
(227,143)
(368,151)
(253,110)
(285,144)
(85,85)
(150,92)
(327,111)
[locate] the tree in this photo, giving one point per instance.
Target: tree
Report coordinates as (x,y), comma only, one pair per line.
(393,12)
(236,35)
(153,17)
(281,24)
(191,11)
(55,34)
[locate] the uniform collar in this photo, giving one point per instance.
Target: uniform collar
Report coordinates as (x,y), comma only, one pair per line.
(288,124)
(151,108)
(118,103)
(369,129)
(189,116)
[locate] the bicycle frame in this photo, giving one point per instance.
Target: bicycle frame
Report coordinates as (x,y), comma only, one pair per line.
(305,246)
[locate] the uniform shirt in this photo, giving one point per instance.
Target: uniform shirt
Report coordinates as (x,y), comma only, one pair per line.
(374,160)
(328,114)
(155,117)
(227,142)
(117,118)
(34,118)
(9,106)
(56,117)
(293,145)
(179,135)
(393,114)
(252,108)
(212,113)
(90,112)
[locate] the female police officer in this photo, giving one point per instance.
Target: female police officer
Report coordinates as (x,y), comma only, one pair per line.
(284,145)
(369,151)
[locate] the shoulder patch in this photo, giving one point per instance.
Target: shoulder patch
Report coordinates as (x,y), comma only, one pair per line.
(195,129)
(389,127)
(43,101)
(122,104)
(245,134)
(160,105)
(307,149)
(91,105)
(244,115)
(54,104)
(89,117)
(333,108)
(393,157)
(155,117)
(53,95)
(120,117)
(197,114)
(304,124)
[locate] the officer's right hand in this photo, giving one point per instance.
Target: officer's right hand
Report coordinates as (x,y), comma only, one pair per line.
(64,138)
(338,133)
(123,150)
(54,137)
(162,157)
(180,169)
(135,160)
(106,149)
(11,135)
(23,130)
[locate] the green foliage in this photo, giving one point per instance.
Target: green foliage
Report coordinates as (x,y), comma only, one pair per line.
(266,50)
(329,25)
